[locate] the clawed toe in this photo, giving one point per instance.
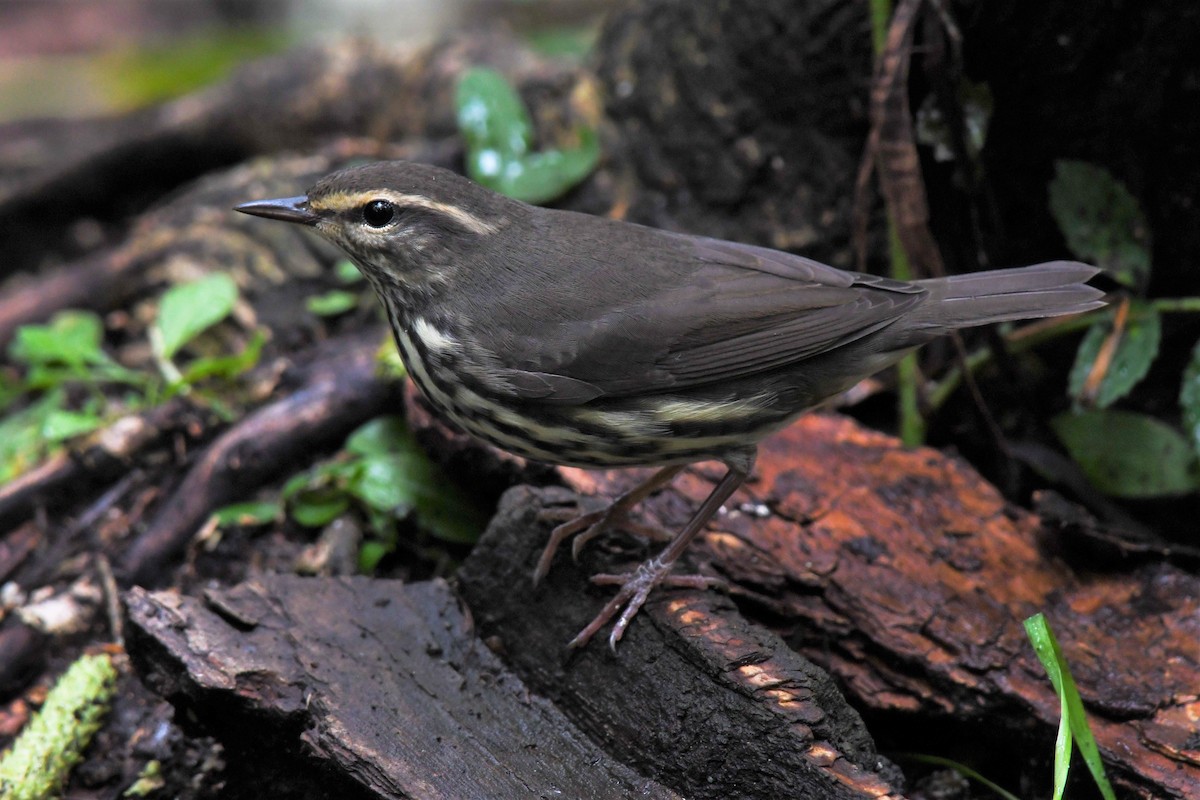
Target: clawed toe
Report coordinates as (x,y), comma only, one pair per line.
(587,525)
(635,588)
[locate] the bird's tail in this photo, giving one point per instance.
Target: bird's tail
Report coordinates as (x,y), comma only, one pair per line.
(979,298)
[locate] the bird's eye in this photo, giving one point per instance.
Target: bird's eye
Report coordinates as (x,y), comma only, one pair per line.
(378,213)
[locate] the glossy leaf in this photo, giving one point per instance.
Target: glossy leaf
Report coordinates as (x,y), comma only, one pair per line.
(1135,352)
(187,310)
(499,134)
(1131,455)
(1073,722)
(1101,221)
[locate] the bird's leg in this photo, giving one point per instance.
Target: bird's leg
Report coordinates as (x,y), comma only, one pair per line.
(588,526)
(637,585)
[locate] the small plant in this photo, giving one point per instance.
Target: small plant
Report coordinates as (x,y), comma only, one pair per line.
(382,474)
(1123,453)
(58,390)
(1073,724)
(499,137)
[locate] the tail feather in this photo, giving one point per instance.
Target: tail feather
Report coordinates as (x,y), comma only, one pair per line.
(981,298)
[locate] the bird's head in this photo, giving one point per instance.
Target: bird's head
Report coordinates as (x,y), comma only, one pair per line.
(404,224)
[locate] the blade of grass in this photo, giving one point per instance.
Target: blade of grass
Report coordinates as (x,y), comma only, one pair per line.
(1074,719)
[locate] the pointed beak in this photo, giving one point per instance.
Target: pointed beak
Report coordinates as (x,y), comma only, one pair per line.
(288,209)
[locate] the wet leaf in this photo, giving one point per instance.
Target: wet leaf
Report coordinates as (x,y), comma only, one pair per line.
(396,475)
(1101,221)
(499,134)
(1126,454)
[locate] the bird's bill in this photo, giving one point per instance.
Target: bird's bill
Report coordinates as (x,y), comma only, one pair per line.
(287,209)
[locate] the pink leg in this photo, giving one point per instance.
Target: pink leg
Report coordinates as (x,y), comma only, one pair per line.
(589,526)
(636,586)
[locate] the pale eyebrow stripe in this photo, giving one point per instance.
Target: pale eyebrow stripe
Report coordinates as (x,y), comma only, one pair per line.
(340,201)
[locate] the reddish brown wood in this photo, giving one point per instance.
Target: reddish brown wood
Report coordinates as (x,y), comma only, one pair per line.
(908,576)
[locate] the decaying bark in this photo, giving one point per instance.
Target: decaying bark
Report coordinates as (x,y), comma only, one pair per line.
(371,688)
(907,576)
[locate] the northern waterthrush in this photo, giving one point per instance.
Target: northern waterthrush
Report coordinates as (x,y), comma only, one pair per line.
(580,340)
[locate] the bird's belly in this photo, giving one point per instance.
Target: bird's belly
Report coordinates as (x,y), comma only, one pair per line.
(636,431)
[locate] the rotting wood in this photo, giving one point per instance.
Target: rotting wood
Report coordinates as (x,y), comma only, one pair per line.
(907,576)
(381,684)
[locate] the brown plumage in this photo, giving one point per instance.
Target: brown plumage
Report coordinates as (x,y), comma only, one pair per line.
(581,340)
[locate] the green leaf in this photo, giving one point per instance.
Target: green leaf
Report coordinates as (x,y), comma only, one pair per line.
(346,272)
(21,441)
(1189,398)
(1125,454)
(1073,720)
(396,475)
(71,339)
(62,424)
(226,367)
(371,553)
(541,177)
(499,134)
(249,514)
(386,434)
(492,117)
(331,303)
(1101,221)
(316,507)
(1136,350)
(189,309)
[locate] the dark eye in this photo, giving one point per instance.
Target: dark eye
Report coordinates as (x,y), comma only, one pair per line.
(378,213)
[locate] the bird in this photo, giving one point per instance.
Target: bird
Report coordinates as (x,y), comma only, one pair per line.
(582,340)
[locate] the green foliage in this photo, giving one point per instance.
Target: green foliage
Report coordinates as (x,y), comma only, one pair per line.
(331,303)
(43,401)
(499,136)
(52,744)
(1189,398)
(248,514)
(1135,351)
(346,272)
(1127,454)
(384,475)
(1101,221)
(189,309)
(1124,454)
(1073,720)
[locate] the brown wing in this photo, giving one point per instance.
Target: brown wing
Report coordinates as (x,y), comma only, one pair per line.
(720,311)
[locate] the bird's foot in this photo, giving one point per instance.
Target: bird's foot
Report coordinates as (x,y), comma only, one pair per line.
(585,528)
(635,588)
(588,526)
